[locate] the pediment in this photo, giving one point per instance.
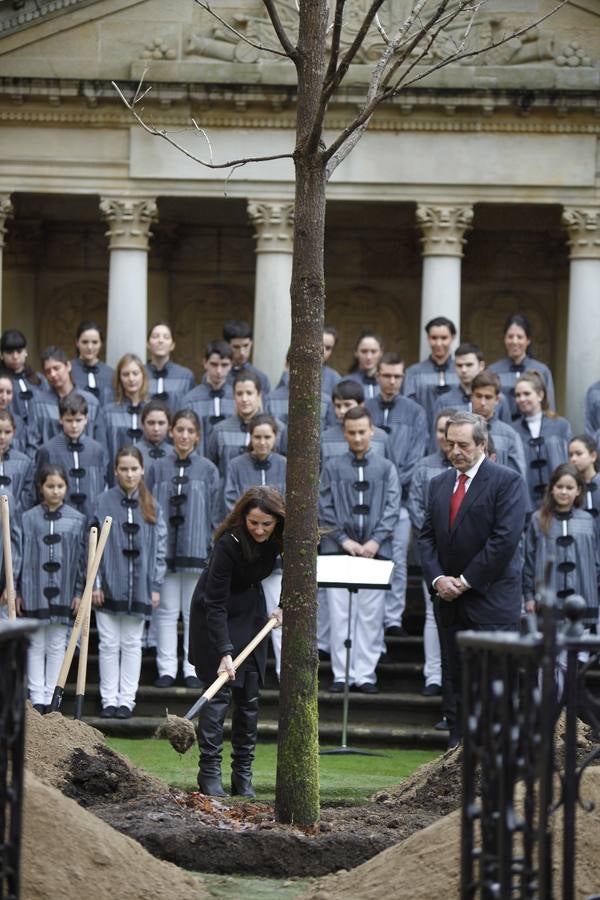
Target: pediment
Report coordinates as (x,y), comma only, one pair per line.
(178,42)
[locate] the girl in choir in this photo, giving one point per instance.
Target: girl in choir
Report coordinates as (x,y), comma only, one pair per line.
(16,469)
(367,353)
(156,424)
(123,418)
(261,466)
(7,394)
(87,370)
(52,579)
(563,534)
(186,487)
(129,580)
(167,381)
(583,454)
(517,341)
(545,435)
(26,382)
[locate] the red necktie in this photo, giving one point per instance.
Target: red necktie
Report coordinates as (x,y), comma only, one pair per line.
(457,497)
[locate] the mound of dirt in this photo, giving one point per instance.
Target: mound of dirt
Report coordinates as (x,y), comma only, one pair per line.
(435,786)
(72,756)
(68,853)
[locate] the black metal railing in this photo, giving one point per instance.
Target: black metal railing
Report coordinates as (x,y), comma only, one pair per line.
(14,640)
(515,690)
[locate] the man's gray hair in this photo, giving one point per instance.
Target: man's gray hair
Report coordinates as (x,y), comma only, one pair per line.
(480,432)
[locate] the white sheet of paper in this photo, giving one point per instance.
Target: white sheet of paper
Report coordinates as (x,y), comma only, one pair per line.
(354,571)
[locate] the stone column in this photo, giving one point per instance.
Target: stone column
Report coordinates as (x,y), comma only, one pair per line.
(273,222)
(583,327)
(443,230)
(128,232)
(6,211)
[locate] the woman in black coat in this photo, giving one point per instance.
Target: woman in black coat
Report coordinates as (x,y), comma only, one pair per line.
(228,608)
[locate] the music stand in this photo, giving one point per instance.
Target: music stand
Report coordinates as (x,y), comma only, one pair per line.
(352,573)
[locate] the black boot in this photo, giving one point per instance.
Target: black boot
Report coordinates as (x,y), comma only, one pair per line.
(244,720)
(210,741)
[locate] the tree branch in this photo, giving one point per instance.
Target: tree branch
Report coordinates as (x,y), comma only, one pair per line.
(205,4)
(162,133)
(338,21)
(280,31)
(350,54)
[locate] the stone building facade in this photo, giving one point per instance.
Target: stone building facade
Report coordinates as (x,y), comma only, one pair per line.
(474,193)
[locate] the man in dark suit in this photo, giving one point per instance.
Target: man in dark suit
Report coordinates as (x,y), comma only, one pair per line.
(469,542)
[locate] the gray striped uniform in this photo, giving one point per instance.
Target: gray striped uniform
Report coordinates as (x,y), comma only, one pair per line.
(333,442)
(369,383)
(211,405)
(152,453)
(278,402)
(96,380)
(508,446)
(591,501)
(425,470)
(134,561)
(405,423)
(246,471)
(122,426)
(248,367)
(458,399)
(425,382)
(170,384)
(187,492)
(23,393)
(19,442)
(54,547)
(575,564)
(509,372)
(43,423)
(85,462)
(16,478)
(543,454)
(359,499)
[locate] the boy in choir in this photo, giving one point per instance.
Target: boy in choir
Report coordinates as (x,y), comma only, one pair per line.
(167,381)
(84,460)
(427,381)
(239,337)
(44,419)
(485,397)
(358,510)
(212,399)
(405,423)
(346,395)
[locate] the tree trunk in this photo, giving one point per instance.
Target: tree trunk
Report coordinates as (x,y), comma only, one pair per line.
(297,790)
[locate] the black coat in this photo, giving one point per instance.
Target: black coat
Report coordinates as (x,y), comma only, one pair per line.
(228,607)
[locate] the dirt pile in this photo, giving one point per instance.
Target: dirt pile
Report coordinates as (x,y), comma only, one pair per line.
(435,786)
(68,853)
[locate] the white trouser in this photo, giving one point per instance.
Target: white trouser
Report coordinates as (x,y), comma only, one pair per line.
(323,629)
(150,632)
(120,657)
(44,659)
(366,633)
(272,588)
(395,598)
(175,597)
(432,670)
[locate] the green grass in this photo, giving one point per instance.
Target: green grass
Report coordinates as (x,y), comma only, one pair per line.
(344,779)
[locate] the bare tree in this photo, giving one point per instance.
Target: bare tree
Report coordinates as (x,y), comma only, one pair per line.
(435,34)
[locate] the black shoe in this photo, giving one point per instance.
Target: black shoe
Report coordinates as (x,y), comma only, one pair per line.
(442,725)
(324,655)
(241,785)
(123,712)
(396,631)
(336,687)
(453,742)
(39,707)
(191,681)
(164,681)
(108,712)
(432,690)
(211,786)
(366,688)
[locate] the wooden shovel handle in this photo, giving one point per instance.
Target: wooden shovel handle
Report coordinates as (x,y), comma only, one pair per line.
(8,565)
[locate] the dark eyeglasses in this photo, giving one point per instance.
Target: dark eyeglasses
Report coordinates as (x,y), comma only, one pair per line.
(361,485)
(134,433)
(51,566)
(50,539)
(51,592)
(361,509)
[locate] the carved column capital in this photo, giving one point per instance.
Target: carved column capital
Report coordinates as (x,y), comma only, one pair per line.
(129,222)
(443,229)
(273,225)
(583,227)
(6,211)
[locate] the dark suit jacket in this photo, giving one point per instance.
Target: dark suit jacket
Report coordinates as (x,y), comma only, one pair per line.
(483,544)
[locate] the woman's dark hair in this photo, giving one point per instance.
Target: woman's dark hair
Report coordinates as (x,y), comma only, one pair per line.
(539,385)
(262,419)
(46,471)
(188,413)
(520,321)
(12,339)
(88,325)
(441,322)
(590,445)
(365,333)
(269,501)
(147,501)
(548,507)
(156,406)
(247,375)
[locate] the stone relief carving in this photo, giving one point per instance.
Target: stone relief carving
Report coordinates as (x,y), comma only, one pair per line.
(484,318)
(198,312)
(61,309)
(158,49)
